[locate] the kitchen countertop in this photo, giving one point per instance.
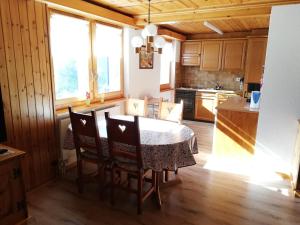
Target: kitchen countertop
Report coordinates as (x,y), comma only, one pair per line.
(209,90)
(237,103)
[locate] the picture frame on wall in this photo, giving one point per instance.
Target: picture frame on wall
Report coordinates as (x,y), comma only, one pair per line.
(146,60)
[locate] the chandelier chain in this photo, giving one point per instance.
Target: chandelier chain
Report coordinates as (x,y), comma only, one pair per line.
(149,11)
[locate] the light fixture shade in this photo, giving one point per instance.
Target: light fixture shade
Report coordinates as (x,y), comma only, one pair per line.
(159,42)
(144,33)
(151,30)
(137,41)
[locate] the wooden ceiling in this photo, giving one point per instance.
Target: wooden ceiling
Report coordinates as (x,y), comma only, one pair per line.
(187,16)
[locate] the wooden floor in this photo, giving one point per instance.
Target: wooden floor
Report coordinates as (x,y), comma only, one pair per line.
(204,197)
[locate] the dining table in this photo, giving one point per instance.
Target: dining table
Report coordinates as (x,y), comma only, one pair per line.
(165,145)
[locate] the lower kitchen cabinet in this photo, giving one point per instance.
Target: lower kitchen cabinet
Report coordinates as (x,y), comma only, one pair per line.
(206,103)
(13,208)
(204,108)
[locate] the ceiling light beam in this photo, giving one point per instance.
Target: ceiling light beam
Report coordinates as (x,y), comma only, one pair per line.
(212,27)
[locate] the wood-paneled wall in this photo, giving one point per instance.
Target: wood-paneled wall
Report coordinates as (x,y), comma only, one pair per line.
(25,78)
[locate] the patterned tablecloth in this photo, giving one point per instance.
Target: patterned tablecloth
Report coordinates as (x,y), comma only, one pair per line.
(165,144)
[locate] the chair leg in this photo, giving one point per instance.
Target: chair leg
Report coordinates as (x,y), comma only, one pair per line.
(79,176)
(166,175)
(176,171)
(112,188)
(140,193)
(101,173)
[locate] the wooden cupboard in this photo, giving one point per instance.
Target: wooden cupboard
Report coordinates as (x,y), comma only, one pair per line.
(206,103)
(190,60)
(205,106)
(211,55)
(233,57)
(12,189)
(191,53)
(256,53)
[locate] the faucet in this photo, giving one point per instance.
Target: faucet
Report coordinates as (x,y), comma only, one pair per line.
(218,86)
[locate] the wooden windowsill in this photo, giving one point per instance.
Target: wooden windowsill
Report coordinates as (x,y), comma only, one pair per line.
(63,113)
(166,89)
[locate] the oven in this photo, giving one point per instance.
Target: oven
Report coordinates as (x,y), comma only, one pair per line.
(188,97)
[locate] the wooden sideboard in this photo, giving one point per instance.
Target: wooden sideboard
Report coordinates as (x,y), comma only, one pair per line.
(13,208)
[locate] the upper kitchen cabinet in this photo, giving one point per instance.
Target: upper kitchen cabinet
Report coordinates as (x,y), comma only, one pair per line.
(256,53)
(191,53)
(234,52)
(211,55)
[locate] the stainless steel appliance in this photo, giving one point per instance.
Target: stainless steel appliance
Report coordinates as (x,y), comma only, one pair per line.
(188,97)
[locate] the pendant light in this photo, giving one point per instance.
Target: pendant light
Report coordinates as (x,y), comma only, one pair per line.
(149,40)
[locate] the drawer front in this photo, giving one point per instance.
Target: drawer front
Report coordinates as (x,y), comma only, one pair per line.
(206,95)
(190,61)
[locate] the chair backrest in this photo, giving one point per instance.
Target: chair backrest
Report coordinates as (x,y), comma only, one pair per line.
(137,107)
(124,132)
(170,111)
(85,132)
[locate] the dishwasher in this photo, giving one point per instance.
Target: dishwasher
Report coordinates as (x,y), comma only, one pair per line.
(188,97)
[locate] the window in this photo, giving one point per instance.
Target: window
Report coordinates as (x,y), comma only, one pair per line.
(166,63)
(108,52)
(70,53)
(83,64)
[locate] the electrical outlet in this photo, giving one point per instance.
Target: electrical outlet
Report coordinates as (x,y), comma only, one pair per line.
(237,79)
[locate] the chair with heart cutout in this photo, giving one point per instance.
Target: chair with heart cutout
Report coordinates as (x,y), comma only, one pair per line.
(172,112)
(88,148)
(136,107)
(128,159)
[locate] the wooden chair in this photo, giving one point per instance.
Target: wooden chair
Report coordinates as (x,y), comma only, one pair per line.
(136,107)
(170,111)
(88,147)
(125,160)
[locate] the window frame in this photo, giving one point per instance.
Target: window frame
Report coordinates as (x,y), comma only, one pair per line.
(167,86)
(93,84)
(113,94)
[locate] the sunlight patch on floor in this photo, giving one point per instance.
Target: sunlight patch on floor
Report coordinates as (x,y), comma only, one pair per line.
(257,174)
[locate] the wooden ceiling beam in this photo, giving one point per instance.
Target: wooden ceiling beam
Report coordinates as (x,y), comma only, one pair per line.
(213,13)
(241,34)
(165,18)
(169,34)
(92,10)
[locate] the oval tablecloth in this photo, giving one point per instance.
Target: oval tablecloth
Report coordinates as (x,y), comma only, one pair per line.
(165,144)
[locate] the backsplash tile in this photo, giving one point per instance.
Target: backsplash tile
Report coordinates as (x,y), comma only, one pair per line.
(192,76)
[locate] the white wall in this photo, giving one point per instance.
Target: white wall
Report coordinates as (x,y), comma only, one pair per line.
(280,104)
(139,82)
(142,82)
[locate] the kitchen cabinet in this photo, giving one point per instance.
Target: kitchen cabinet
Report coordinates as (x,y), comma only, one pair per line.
(191,53)
(12,190)
(221,97)
(206,103)
(256,53)
(211,55)
(235,131)
(233,57)
(190,61)
(205,106)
